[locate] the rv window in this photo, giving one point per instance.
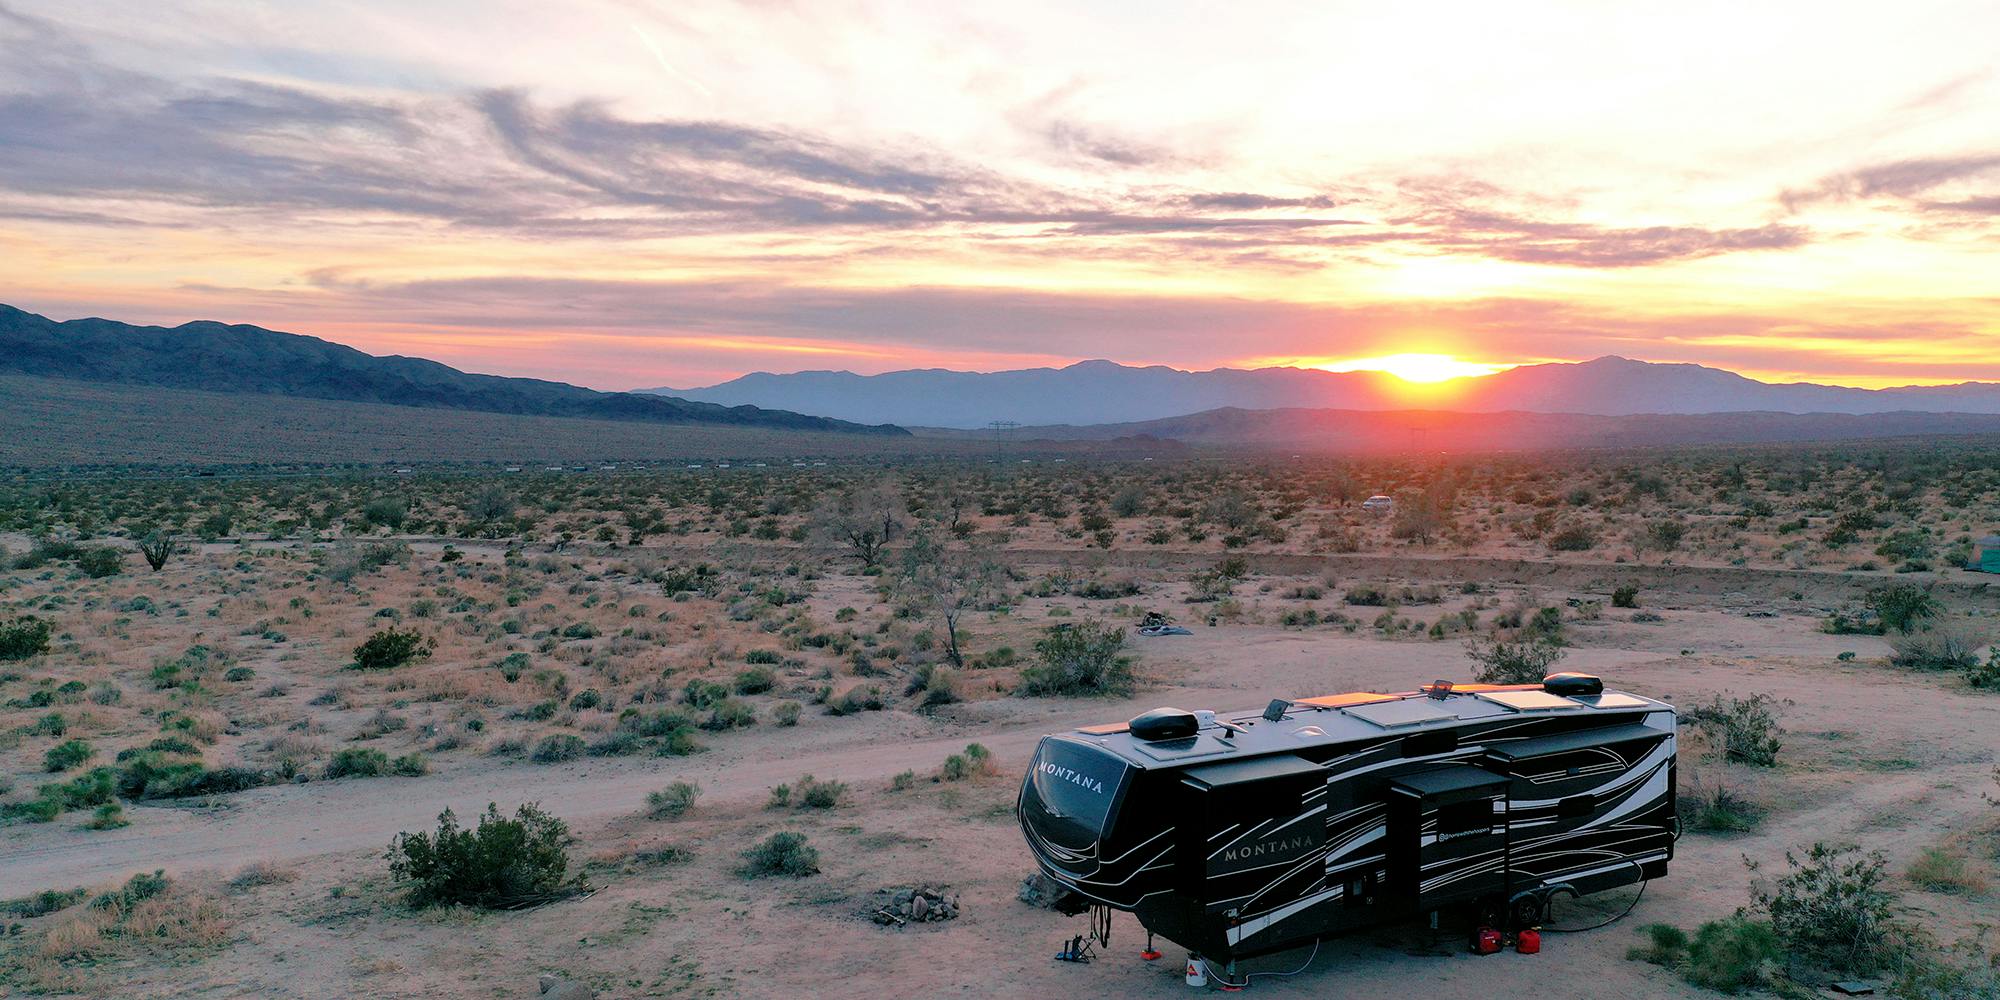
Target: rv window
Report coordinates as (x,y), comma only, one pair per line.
(1465,817)
(1577,805)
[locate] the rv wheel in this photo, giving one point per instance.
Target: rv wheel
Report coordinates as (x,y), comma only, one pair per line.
(1530,909)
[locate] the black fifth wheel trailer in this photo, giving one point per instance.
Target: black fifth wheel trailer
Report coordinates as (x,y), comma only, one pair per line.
(1235,837)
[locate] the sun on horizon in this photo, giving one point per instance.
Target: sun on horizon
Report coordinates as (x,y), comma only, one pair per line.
(1421,368)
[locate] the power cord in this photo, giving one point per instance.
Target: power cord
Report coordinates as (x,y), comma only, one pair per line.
(1225,981)
(1607,923)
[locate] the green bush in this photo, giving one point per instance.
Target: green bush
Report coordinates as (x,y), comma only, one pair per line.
(1717,812)
(1521,661)
(392,648)
(673,801)
(765,656)
(1903,607)
(1733,954)
(358,762)
(43,903)
(701,694)
(1831,909)
(729,713)
(109,816)
(99,562)
(66,755)
(502,863)
(557,748)
(811,793)
(24,637)
(1665,945)
(855,700)
(755,680)
(1079,658)
(1625,597)
(784,853)
(1746,728)
(786,713)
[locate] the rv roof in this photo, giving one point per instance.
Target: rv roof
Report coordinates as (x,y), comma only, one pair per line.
(1356,716)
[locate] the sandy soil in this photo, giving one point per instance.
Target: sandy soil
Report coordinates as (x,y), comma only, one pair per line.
(1884,758)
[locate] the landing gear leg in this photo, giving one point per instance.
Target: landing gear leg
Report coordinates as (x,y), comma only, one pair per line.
(1151,954)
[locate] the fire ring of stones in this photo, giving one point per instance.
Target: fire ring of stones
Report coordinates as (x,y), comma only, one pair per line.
(921,905)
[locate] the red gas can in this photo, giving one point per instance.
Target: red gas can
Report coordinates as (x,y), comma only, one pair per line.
(1485,941)
(1528,942)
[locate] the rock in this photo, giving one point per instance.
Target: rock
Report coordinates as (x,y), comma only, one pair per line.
(919,907)
(558,988)
(1039,890)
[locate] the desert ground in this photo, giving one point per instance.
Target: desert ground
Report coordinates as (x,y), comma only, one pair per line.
(583,639)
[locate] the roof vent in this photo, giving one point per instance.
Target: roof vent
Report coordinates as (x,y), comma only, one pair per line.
(1165,724)
(1573,685)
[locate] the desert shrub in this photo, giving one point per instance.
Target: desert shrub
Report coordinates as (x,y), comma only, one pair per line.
(556,748)
(786,713)
(1903,607)
(762,656)
(1078,658)
(811,793)
(1746,728)
(43,903)
(502,863)
(755,680)
(1625,597)
(109,816)
(701,694)
(1717,811)
(586,699)
(99,562)
(67,754)
(1365,597)
(784,853)
(24,637)
(673,801)
(410,765)
(1521,661)
(1987,673)
(1942,870)
(729,713)
(1575,538)
(1939,650)
(392,648)
(1734,954)
(1665,945)
(855,700)
(358,762)
(1830,908)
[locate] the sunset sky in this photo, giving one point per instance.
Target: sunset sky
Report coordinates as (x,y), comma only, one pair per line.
(624,193)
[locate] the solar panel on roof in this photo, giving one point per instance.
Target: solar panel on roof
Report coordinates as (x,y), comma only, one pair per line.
(1407,712)
(1530,701)
(1613,700)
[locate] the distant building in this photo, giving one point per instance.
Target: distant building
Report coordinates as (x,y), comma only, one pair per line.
(1986,554)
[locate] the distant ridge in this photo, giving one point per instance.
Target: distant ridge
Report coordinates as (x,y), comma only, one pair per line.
(217,357)
(1103,392)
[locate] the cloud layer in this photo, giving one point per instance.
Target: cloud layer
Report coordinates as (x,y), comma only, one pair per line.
(152,167)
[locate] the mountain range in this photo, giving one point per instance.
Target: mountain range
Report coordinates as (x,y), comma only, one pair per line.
(217,357)
(1104,392)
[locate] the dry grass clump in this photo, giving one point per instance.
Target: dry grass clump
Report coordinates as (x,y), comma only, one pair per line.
(147,915)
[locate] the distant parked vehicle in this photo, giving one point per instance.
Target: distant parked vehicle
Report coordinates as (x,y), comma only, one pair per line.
(1378,502)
